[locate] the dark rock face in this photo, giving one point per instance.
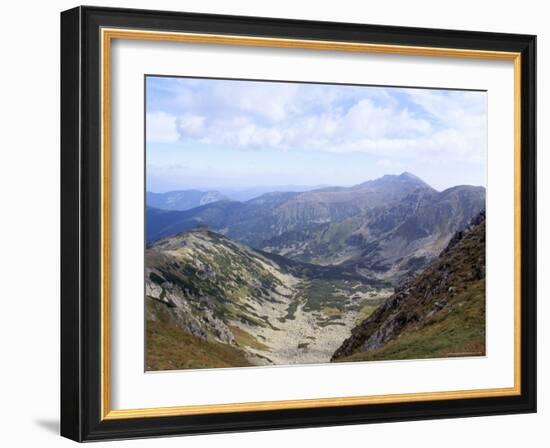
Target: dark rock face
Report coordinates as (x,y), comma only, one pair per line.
(460,264)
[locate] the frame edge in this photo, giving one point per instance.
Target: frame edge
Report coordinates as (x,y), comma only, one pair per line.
(529,222)
(71,379)
(78,366)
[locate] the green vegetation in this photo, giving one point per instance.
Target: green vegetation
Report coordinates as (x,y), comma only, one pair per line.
(291,311)
(331,312)
(458,331)
(333,238)
(171,348)
(328,322)
(328,294)
(252,321)
(368,308)
(156,278)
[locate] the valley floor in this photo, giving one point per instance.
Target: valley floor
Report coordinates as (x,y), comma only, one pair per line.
(305,330)
(302,335)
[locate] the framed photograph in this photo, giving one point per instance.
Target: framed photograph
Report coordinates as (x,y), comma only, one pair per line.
(274,223)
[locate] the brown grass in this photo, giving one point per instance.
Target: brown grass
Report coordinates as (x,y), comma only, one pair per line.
(246,339)
(171,348)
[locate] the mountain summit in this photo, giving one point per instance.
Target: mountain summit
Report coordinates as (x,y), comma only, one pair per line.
(404,180)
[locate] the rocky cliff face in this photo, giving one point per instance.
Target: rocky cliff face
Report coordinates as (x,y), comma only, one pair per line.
(440,312)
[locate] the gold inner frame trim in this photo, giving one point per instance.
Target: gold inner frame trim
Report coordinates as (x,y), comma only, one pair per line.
(107,35)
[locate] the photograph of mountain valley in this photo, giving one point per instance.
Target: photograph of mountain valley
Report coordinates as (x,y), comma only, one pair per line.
(307,223)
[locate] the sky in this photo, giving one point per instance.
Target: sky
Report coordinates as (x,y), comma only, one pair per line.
(215,134)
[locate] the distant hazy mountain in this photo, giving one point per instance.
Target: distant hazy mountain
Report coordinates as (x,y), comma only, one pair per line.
(387,227)
(246,194)
(182,200)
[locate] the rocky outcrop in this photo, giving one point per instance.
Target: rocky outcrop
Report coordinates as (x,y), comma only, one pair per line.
(167,302)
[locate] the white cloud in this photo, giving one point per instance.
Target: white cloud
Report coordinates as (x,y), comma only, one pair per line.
(391,123)
(191,125)
(365,119)
(161,128)
(275,103)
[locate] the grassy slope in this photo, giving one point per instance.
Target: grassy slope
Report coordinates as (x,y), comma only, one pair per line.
(171,348)
(458,333)
(368,308)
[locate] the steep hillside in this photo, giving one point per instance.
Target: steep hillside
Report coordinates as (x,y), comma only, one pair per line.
(439,313)
(182,199)
(245,304)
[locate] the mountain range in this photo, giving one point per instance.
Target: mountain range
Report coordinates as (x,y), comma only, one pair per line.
(181,200)
(386,228)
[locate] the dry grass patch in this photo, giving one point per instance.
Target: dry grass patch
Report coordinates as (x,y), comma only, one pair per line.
(245,339)
(170,348)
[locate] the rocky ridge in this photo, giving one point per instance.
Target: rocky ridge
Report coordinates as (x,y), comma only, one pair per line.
(452,283)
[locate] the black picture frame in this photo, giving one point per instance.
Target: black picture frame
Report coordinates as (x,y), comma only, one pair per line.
(81,224)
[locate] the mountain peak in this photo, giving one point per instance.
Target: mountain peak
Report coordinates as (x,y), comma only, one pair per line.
(407,175)
(405,178)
